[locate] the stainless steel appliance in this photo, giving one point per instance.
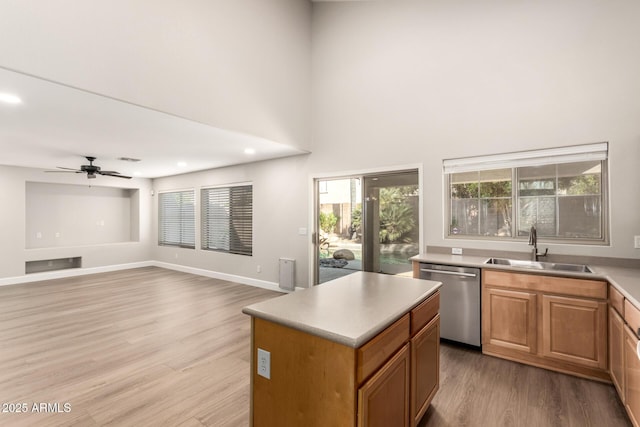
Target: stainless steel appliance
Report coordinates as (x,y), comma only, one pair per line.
(459,301)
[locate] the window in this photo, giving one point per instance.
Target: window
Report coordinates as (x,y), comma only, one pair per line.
(559,191)
(176,217)
(227,219)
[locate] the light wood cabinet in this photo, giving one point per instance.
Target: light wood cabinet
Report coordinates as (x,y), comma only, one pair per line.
(616,351)
(509,319)
(624,364)
(384,399)
(631,376)
(425,368)
(388,381)
(574,330)
(547,321)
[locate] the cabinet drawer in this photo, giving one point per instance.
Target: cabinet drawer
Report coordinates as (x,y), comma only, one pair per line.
(616,299)
(423,313)
(373,354)
(548,284)
(631,316)
(512,280)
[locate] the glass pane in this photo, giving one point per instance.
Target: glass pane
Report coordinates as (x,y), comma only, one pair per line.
(464,191)
(339,228)
(495,183)
(538,211)
(399,232)
(537,181)
(464,216)
(579,178)
(537,172)
(495,217)
(464,177)
(580,216)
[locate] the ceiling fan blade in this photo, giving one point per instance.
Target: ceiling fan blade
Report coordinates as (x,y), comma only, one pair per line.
(69,169)
(114,174)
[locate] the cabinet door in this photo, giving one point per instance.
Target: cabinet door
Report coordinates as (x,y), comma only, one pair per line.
(425,368)
(384,399)
(509,319)
(575,330)
(616,351)
(631,376)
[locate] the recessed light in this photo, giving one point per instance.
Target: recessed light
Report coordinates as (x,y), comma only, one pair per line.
(249,151)
(10,98)
(182,164)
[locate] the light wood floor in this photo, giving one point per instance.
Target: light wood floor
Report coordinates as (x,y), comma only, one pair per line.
(143,347)
(151,347)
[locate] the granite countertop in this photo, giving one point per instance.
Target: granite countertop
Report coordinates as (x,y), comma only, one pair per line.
(350,310)
(626,280)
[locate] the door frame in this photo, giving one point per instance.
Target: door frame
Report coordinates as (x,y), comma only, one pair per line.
(313,208)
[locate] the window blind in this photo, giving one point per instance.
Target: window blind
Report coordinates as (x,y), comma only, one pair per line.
(227,219)
(575,153)
(176,218)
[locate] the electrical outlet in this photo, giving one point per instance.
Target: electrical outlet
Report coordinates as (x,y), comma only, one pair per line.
(636,242)
(456,251)
(264,363)
(259,268)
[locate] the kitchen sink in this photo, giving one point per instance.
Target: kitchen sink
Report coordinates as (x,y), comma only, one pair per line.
(536,265)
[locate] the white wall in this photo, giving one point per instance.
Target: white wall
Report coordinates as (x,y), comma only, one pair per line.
(421,81)
(13,225)
(72,215)
(394,83)
(241,65)
(280,208)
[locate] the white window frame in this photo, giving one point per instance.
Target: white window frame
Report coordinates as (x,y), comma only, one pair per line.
(558,155)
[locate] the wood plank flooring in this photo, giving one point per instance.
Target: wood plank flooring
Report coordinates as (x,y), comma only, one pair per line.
(478,391)
(153,347)
(142,347)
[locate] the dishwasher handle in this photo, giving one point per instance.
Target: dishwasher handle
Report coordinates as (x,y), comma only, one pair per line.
(451,273)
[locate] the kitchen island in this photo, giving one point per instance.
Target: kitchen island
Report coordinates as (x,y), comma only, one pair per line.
(359,350)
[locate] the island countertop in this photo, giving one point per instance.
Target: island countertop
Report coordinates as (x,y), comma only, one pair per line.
(350,310)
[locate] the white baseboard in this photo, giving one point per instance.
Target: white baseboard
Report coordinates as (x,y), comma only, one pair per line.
(222,276)
(71,272)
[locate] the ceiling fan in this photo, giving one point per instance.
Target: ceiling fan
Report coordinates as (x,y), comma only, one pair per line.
(91,170)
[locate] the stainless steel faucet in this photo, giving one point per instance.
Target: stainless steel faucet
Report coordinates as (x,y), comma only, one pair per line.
(533,240)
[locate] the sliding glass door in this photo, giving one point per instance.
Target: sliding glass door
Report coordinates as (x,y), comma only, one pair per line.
(391,217)
(366,223)
(338,229)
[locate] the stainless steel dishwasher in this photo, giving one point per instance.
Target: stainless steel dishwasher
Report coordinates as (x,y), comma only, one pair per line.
(459,301)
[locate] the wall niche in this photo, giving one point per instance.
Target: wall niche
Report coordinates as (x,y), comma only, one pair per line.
(58,215)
